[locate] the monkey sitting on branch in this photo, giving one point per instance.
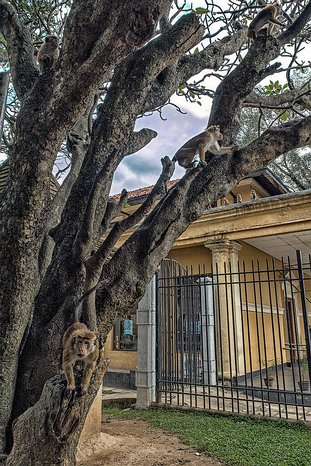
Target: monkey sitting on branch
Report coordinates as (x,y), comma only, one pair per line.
(48,53)
(207,140)
(79,344)
(265,16)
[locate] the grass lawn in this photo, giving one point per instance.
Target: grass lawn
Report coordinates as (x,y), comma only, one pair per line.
(233,440)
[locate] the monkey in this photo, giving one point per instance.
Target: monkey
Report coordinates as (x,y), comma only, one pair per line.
(48,53)
(267,14)
(207,140)
(253,195)
(239,198)
(79,344)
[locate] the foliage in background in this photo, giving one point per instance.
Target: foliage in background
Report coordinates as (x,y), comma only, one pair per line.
(294,167)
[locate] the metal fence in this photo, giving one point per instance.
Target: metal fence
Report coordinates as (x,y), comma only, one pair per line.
(236,338)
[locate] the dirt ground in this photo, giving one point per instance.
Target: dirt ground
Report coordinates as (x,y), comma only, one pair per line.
(134,443)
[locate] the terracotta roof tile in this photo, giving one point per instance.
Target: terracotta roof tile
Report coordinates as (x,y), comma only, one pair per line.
(137,193)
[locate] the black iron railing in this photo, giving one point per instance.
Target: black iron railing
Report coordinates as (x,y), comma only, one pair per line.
(236,338)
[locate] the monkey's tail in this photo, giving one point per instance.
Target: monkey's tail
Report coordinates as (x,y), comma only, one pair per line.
(77,309)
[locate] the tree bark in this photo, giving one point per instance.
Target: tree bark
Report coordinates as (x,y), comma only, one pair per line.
(47,434)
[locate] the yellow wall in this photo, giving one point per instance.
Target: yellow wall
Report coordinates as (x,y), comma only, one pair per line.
(192,257)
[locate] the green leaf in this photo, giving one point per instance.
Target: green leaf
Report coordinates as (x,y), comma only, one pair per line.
(200,11)
(284,116)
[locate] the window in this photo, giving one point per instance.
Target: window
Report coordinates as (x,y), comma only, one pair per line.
(125,333)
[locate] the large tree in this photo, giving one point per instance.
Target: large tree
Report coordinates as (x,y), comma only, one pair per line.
(118,60)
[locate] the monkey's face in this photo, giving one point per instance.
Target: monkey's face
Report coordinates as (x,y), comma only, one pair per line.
(84,346)
(215,131)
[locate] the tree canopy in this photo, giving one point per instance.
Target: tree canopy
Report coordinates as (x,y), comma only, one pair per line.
(117,62)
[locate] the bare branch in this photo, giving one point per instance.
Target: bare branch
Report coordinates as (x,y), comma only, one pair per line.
(297,26)
(274,101)
(112,210)
(140,139)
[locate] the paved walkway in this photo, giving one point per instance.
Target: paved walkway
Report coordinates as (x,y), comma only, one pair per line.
(215,399)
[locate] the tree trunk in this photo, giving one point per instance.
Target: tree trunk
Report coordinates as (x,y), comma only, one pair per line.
(47,434)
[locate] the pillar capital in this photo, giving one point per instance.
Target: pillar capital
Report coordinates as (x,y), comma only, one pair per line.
(224,245)
(235,247)
(218,245)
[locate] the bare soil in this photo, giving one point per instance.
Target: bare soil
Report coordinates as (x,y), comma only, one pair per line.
(133,442)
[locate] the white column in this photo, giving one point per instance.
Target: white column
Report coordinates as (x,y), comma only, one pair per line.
(146,348)
(225,255)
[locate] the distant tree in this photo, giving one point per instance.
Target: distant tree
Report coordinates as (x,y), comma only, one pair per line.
(294,167)
(118,61)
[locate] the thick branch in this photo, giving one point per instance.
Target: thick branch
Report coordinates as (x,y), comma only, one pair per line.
(294,29)
(271,101)
(24,70)
(92,25)
(232,91)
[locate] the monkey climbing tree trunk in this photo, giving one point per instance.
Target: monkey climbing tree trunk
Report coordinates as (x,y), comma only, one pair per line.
(47,434)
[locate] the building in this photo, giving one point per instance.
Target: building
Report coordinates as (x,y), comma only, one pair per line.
(259,222)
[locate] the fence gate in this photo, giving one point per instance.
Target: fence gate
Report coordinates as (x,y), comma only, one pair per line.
(236,341)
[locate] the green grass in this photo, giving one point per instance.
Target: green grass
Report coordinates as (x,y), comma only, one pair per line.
(233,440)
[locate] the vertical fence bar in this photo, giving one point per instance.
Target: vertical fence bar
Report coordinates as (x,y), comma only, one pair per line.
(258,337)
(297,346)
(287,281)
(243,338)
(245,274)
(277,283)
(235,346)
(268,365)
(229,324)
(304,310)
(218,312)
